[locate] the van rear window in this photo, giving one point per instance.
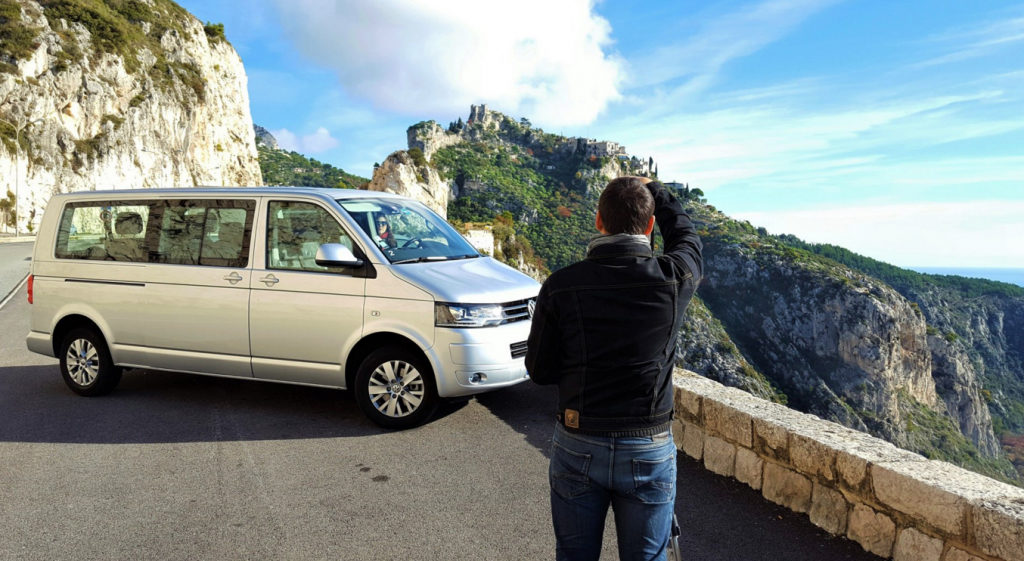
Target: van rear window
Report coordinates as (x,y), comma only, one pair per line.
(184,232)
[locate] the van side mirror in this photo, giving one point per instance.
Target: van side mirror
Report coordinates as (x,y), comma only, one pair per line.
(337,255)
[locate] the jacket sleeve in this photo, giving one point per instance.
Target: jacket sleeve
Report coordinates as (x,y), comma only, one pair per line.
(543,344)
(682,244)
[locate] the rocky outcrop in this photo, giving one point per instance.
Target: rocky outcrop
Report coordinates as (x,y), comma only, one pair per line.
(172,112)
(430,137)
(399,174)
(264,138)
(958,385)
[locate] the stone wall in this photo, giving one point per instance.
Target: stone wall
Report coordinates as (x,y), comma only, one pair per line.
(895,503)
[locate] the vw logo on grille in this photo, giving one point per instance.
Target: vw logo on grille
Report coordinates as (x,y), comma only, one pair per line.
(531,305)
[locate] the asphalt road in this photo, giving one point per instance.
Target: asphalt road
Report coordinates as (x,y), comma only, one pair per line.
(15,259)
(172,466)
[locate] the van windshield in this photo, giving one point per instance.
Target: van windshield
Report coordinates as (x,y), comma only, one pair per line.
(407,231)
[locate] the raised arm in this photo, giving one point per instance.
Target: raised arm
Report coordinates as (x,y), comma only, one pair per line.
(682,244)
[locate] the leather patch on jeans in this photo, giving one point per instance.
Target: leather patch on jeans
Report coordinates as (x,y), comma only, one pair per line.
(572,418)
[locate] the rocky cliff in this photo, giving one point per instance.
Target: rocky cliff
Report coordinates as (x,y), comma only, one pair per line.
(847,346)
(119,95)
(401,173)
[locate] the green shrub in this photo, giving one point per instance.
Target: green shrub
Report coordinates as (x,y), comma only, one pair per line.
(214,31)
(17,40)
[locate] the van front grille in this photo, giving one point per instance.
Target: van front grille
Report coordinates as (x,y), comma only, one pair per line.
(518,311)
(518,349)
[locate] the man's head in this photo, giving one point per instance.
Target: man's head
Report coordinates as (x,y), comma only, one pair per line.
(625,207)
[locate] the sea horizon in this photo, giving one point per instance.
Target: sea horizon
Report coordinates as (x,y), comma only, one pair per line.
(1011,275)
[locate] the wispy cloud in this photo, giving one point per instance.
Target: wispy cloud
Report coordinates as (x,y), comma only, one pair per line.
(697,60)
(978,41)
(962,234)
(545,59)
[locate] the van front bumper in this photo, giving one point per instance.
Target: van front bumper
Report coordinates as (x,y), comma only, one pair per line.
(476,360)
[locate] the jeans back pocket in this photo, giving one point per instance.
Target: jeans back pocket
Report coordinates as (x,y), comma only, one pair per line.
(654,479)
(569,472)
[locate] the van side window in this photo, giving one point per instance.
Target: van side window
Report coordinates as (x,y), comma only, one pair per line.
(295,231)
(203,232)
(104,231)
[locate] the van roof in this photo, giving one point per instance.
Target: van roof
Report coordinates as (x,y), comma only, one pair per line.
(235,191)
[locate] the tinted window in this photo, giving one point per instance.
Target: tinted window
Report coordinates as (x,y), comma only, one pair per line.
(106,231)
(184,232)
(295,231)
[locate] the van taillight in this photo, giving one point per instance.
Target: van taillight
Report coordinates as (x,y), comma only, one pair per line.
(30,279)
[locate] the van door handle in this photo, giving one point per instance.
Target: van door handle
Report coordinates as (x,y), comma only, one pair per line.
(233,278)
(270,280)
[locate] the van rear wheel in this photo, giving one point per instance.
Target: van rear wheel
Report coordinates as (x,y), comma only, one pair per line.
(394,389)
(86,365)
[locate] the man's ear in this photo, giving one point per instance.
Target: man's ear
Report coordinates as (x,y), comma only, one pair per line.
(599,224)
(650,227)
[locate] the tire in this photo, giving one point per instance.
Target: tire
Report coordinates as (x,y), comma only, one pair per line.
(395,389)
(86,365)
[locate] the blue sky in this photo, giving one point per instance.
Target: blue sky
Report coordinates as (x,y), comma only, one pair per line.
(895,129)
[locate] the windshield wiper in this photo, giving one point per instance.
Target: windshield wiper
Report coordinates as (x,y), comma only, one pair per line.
(421,259)
(436,258)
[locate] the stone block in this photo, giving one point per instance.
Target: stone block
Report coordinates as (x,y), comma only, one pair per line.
(874,531)
(749,467)
(829,510)
(722,419)
(771,439)
(956,554)
(786,487)
(999,528)
(852,470)
(811,456)
(688,405)
(912,545)
(937,493)
(693,441)
(677,433)
(719,456)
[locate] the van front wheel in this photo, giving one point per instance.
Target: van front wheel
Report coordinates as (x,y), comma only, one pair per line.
(86,365)
(394,389)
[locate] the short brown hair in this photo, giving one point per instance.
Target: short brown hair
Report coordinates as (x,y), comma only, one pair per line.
(626,206)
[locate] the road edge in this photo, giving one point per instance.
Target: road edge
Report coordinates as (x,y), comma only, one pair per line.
(17,289)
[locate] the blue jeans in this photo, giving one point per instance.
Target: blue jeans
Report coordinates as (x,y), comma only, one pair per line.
(635,475)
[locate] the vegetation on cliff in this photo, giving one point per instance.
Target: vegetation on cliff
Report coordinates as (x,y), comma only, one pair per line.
(282,167)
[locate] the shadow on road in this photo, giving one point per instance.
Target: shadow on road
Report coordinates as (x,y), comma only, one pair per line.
(720,517)
(158,407)
(527,408)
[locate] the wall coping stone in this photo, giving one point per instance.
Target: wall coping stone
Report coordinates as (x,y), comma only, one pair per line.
(926,501)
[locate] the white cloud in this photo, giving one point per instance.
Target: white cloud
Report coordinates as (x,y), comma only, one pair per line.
(319,141)
(536,58)
(951,234)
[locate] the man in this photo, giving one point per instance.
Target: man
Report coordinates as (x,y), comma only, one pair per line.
(605,330)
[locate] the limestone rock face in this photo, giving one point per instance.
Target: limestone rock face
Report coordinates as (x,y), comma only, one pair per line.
(400,175)
(177,117)
(959,387)
(843,346)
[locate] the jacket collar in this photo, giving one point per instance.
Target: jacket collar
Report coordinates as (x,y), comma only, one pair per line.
(619,245)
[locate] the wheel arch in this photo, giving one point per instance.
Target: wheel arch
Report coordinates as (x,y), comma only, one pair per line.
(71,322)
(379,340)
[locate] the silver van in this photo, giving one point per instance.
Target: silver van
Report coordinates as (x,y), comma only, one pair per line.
(336,288)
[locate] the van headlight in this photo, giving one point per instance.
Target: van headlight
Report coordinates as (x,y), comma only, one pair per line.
(468,315)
